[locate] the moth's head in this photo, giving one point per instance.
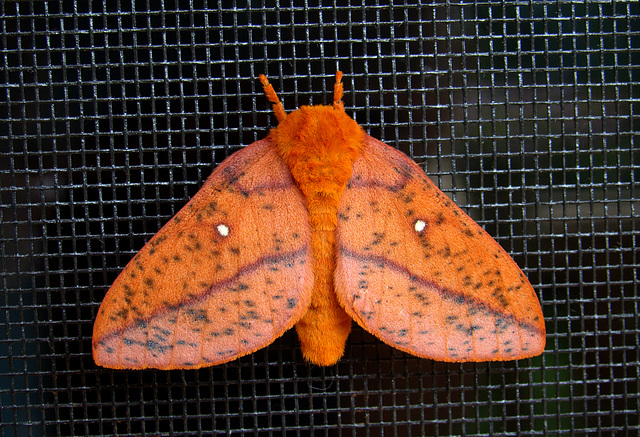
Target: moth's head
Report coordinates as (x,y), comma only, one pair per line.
(323,126)
(320,127)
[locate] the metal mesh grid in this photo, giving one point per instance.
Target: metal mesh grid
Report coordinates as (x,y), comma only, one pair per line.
(521,111)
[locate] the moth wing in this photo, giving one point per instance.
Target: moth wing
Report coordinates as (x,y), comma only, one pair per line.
(224,277)
(417,272)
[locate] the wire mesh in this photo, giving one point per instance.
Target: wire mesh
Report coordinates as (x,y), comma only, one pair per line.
(114,113)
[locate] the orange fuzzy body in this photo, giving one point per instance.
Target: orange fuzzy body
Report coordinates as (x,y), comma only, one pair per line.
(319,145)
(314,226)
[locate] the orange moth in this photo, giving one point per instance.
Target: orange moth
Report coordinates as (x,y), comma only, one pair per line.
(314,226)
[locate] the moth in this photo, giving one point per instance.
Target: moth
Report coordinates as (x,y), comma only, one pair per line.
(317,225)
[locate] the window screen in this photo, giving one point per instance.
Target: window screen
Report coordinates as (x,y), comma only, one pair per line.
(113,113)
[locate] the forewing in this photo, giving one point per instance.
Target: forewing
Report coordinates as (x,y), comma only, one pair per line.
(417,272)
(224,277)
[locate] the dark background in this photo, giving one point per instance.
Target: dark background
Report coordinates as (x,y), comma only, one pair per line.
(113,114)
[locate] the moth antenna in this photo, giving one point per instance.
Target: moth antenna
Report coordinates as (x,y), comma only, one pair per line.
(278,109)
(338,90)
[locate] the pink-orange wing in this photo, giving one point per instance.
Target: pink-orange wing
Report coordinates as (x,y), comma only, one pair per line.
(417,272)
(226,276)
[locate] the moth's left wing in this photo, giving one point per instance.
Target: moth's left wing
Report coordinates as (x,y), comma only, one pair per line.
(225,277)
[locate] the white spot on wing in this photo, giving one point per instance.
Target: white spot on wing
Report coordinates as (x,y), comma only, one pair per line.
(419,226)
(223,230)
